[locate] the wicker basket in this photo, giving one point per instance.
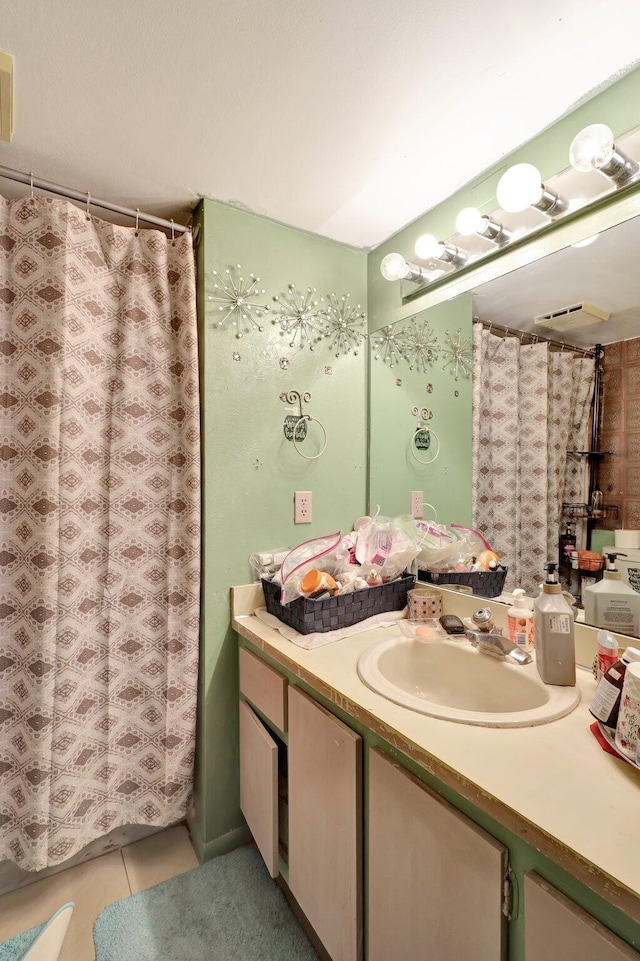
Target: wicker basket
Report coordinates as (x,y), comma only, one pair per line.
(308,616)
(482,583)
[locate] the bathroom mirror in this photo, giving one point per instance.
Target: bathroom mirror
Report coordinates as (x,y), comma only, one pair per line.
(604,275)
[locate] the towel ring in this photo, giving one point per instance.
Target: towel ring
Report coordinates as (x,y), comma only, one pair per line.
(308,419)
(432,433)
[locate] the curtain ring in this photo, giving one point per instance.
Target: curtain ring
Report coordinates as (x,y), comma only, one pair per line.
(88,214)
(309,418)
(137,230)
(430,432)
(173,233)
(31,185)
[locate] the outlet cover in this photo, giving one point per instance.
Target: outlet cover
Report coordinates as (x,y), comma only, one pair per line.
(417,504)
(302,507)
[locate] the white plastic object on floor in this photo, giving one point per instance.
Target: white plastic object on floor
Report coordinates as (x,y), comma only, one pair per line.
(47,945)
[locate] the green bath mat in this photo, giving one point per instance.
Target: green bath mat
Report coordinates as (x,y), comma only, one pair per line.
(227,910)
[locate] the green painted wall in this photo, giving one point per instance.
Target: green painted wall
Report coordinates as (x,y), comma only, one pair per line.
(446,483)
(250,472)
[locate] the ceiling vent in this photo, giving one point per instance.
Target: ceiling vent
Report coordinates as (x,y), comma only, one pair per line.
(567,318)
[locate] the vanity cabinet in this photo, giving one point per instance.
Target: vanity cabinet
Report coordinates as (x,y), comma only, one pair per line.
(555,927)
(325,825)
(324,802)
(435,879)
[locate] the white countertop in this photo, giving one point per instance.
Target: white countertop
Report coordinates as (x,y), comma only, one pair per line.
(551,784)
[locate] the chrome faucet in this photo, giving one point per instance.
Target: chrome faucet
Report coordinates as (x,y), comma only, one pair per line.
(495,645)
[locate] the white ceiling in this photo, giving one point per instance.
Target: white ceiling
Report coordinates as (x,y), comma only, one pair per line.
(348,118)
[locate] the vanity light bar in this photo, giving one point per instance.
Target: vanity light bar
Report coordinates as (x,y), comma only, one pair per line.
(519,188)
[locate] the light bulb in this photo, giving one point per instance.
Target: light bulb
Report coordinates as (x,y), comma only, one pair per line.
(394,267)
(428,247)
(519,187)
(470,221)
(592,148)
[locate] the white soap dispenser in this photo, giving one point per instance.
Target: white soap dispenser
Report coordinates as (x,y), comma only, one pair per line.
(612,604)
(554,638)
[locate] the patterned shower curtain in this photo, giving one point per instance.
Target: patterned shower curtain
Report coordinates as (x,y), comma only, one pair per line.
(530,405)
(99,529)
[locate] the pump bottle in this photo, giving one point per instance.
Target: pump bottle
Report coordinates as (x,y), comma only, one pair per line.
(553,631)
(520,622)
(611,603)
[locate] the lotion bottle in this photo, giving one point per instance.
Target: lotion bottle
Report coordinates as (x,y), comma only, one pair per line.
(520,622)
(554,634)
(611,603)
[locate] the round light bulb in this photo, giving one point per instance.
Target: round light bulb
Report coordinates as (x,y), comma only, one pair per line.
(428,247)
(470,221)
(592,148)
(519,187)
(394,267)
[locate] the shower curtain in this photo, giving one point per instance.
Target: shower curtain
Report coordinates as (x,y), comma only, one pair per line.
(99,529)
(530,405)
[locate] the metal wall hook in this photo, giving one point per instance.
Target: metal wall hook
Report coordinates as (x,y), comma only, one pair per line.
(295,425)
(423,435)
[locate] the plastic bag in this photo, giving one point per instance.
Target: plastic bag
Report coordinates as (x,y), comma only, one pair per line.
(327,553)
(385,547)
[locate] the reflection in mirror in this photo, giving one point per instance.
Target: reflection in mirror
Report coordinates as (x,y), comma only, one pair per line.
(531,403)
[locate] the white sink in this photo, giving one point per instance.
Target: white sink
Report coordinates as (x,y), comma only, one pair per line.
(450,679)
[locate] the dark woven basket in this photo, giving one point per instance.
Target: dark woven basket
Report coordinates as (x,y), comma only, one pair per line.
(482,583)
(308,617)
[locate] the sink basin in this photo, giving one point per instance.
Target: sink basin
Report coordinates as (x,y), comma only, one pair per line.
(452,680)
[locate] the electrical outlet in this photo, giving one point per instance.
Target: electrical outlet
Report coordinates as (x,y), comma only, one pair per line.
(417,503)
(302,509)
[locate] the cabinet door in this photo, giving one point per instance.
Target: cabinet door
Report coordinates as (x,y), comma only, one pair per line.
(435,878)
(325,825)
(555,927)
(259,785)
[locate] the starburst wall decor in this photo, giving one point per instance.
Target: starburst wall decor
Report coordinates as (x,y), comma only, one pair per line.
(388,346)
(298,315)
(420,347)
(340,322)
(459,354)
(235,296)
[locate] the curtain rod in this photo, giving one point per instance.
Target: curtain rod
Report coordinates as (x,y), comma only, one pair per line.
(8,174)
(587,351)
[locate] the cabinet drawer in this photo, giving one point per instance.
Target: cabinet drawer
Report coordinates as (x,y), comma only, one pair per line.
(264,687)
(555,927)
(259,785)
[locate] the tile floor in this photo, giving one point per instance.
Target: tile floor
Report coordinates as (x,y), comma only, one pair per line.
(94,885)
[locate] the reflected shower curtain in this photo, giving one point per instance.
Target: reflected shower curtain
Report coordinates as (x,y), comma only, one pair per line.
(530,405)
(99,529)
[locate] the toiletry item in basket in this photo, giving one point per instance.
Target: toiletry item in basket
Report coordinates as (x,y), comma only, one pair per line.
(554,634)
(315,580)
(607,653)
(628,726)
(611,603)
(605,704)
(520,622)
